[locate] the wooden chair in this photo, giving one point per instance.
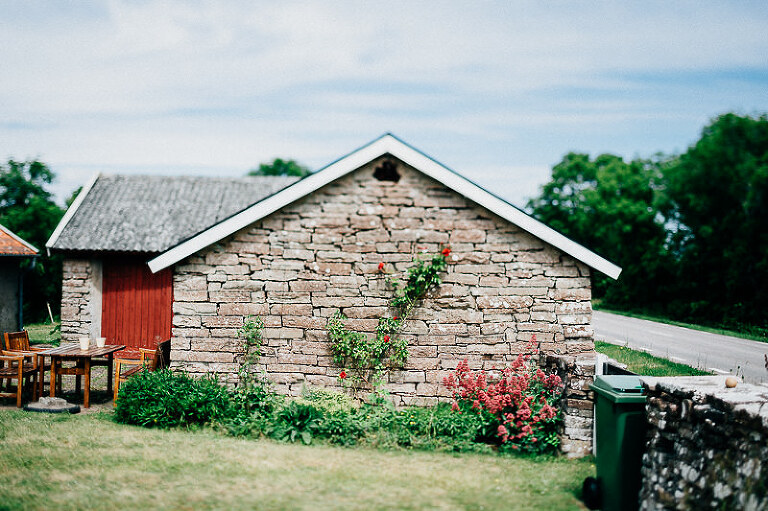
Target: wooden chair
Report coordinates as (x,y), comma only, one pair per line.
(18,342)
(151,360)
(12,367)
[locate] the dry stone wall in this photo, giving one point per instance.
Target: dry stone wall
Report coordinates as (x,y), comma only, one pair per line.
(577,402)
(76,296)
(298,266)
(707,445)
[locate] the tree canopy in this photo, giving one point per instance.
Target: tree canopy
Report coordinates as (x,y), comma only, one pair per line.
(718,203)
(26,208)
(280,167)
(612,207)
(690,231)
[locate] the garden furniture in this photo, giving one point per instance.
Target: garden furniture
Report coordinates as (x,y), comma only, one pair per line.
(83,362)
(19,342)
(12,367)
(160,359)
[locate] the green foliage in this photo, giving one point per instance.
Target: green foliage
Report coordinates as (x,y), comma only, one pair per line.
(296,421)
(280,167)
(328,400)
(368,359)
(612,207)
(718,201)
(252,334)
(164,399)
(690,231)
(420,279)
(27,209)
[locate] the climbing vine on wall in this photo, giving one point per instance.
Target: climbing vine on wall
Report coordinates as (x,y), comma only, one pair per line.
(365,360)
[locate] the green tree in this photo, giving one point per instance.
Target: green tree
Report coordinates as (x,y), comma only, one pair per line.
(612,207)
(26,207)
(718,193)
(280,167)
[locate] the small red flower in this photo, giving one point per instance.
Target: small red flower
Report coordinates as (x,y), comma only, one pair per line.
(446,251)
(343,375)
(381,266)
(386,338)
(395,318)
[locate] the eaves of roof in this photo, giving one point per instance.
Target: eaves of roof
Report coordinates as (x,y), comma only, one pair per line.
(386,144)
(13,246)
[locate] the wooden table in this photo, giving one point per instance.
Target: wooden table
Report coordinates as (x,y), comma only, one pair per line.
(83,365)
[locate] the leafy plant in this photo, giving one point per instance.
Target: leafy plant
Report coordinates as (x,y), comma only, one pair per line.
(296,421)
(164,399)
(368,359)
(252,335)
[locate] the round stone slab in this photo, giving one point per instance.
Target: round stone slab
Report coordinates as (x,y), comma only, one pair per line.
(52,405)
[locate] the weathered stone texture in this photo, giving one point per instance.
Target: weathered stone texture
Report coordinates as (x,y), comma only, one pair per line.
(76,297)
(577,402)
(707,445)
(298,266)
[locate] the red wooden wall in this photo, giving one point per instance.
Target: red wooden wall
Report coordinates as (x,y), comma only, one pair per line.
(136,304)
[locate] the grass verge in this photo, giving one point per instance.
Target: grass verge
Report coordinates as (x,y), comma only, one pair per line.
(89,462)
(596,305)
(644,364)
(43,333)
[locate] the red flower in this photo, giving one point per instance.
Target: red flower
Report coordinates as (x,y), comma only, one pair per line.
(386,338)
(343,375)
(381,266)
(446,251)
(395,318)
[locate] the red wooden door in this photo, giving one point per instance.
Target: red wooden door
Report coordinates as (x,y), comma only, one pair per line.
(136,304)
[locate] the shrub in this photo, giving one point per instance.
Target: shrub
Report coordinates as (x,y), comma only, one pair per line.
(296,420)
(519,406)
(254,403)
(165,399)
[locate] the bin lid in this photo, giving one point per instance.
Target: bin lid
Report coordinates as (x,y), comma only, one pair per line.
(620,388)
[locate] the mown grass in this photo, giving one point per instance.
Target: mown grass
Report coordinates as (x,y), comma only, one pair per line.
(89,462)
(43,333)
(644,364)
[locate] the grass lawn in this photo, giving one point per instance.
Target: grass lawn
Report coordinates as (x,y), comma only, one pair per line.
(645,364)
(87,462)
(40,333)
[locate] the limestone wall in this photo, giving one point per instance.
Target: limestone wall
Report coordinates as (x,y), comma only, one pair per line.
(298,266)
(80,298)
(707,446)
(577,403)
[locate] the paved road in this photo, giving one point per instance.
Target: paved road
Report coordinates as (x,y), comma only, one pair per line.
(720,353)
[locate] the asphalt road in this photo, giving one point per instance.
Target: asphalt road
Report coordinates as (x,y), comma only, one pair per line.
(720,353)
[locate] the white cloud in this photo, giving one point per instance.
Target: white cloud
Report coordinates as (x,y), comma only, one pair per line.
(209,85)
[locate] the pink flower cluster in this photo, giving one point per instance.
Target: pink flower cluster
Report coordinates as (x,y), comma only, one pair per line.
(520,399)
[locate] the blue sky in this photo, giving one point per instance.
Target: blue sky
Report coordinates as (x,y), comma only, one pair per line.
(498,91)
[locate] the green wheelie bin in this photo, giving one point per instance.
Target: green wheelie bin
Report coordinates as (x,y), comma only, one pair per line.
(620,429)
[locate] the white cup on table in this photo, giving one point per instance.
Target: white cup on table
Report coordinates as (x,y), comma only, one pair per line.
(100,342)
(84,342)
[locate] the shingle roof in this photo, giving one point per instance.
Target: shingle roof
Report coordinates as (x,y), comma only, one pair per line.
(153,213)
(12,245)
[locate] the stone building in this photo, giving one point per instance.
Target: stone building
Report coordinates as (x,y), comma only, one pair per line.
(294,252)
(16,257)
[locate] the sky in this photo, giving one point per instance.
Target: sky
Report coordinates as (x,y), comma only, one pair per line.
(497,91)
